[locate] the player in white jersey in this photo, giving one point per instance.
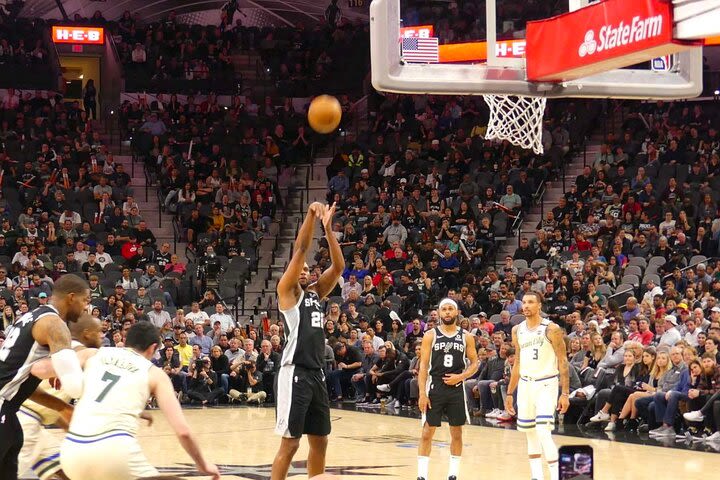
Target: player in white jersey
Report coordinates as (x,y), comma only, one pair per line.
(541,358)
(101,442)
(41,450)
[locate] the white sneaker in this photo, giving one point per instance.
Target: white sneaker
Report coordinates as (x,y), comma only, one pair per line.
(695,416)
(494,413)
(715,437)
(610,427)
(396,404)
(384,388)
(504,416)
(600,417)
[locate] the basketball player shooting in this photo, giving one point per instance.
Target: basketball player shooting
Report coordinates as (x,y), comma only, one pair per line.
(37,335)
(542,359)
(442,372)
(302,400)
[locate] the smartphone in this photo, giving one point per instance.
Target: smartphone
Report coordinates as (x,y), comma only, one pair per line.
(576,462)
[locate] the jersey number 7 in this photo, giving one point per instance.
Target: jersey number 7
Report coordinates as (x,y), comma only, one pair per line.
(107,377)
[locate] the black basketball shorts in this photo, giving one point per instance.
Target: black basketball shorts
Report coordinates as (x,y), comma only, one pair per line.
(11,441)
(448,401)
(303,407)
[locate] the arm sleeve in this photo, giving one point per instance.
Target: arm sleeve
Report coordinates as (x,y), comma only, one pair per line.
(68,370)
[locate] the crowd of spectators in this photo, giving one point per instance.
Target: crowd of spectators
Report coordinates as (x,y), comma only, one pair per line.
(313,60)
(626,262)
(21,43)
(464,21)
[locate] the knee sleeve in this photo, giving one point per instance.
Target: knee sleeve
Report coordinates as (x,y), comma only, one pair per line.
(534,447)
(549,448)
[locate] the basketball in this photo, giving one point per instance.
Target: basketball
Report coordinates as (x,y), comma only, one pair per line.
(324,114)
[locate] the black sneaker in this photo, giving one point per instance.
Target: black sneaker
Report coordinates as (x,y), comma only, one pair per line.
(421,478)
(631,424)
(452,477)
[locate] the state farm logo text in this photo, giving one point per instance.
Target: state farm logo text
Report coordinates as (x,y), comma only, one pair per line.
(612,36)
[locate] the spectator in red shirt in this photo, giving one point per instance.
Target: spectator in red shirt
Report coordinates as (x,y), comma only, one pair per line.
(632,206)
(642,331)
(129,249)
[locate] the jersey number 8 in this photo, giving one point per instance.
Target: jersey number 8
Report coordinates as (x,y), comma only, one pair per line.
(448,361)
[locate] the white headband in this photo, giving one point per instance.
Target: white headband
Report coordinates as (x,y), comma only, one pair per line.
(448,301)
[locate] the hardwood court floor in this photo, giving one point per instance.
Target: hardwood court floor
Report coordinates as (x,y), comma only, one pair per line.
(371,446)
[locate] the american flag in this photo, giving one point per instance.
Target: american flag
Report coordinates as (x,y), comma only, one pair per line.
(420,50)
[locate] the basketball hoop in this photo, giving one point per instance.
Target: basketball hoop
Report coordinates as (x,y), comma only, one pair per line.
(517,119)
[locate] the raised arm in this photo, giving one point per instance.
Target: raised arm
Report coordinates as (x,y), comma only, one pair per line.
(329,277)
(514,375)
(424,367)
(288,288)
(557,339)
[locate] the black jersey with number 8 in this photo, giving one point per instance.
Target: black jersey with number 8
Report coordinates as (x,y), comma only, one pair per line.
(447,354)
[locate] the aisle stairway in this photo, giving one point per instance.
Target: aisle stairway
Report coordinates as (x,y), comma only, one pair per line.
(251,72)
(553,192)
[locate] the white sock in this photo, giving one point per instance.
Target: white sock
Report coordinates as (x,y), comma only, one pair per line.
(536,468)
(454,469)
(423,466)
(554,470)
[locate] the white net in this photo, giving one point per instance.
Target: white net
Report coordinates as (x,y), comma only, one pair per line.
(516,119)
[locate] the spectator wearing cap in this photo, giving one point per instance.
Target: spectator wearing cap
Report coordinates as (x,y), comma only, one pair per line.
(42,298)
(651,292)
(671,335)
(349,361)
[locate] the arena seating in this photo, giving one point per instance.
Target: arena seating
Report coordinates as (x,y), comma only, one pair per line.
(626,260)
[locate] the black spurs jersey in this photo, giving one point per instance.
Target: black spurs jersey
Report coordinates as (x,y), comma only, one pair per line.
(305,322)
(17,356)
(447,355)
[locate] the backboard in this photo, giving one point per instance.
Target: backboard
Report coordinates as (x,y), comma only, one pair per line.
(495,63)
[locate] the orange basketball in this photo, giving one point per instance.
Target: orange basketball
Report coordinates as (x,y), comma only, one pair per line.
(324,114)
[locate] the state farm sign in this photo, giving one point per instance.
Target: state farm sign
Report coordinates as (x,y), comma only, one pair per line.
(603,36)
(612,36)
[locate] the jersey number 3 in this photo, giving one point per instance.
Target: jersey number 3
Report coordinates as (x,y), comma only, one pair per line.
(536,352)
(112,379)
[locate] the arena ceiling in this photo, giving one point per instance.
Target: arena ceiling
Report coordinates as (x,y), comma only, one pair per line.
(258,12)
